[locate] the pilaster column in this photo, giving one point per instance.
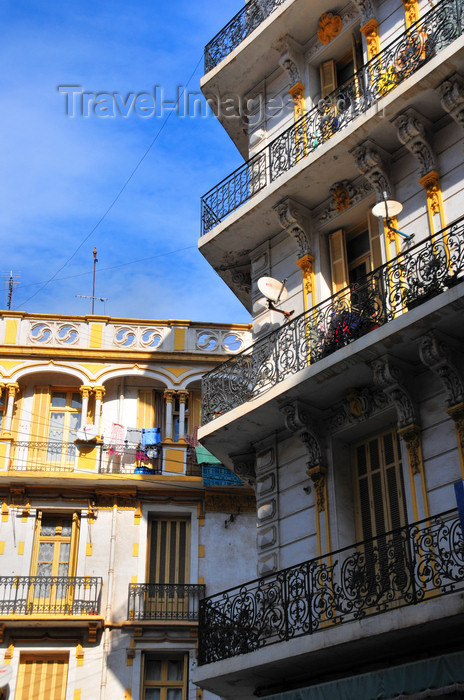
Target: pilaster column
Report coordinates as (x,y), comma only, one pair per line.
(85,393)
(390,379)
(309,288)
(412,134)
(371,32)
(300,423)
(411,12)
(12,389)
(99,394)
(169,398)
(436,355)
(183,396)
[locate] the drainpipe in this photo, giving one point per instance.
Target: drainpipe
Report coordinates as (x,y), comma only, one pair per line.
(109,598)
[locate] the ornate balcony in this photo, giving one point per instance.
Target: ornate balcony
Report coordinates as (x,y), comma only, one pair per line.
(404,567)
(391,67)
(50,595)
(239,27)
(52,457)
(164,601)
(420,273)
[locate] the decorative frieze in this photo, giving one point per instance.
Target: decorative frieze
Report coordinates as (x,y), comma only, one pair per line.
(344,194)
(330,25)
(359,405)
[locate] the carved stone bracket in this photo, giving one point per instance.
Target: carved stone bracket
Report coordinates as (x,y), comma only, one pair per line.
(318,476)
(369,162)
(244,467)
(296,220)
(452,97)
(436,355)
(389,378)
(411,435)
(366,9)
(299,422)
(411,133)
(291,59)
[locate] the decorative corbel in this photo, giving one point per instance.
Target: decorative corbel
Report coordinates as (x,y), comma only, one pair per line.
(411,133)
(389,378)
(295,219)
(318,476)
(451,93)
(244,467)
(369,163)
(366,10)
(291,58)
(299,422)
(437,356)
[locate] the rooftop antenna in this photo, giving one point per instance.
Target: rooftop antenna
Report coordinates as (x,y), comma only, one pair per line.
(93,297)
(11,282)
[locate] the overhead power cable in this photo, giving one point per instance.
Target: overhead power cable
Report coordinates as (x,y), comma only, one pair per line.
(121,190)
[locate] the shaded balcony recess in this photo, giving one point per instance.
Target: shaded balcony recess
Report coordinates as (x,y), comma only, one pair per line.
(392,66)
(407,566)
(420,273)
(50,595)
(235,31)
(52,457)
(164,601)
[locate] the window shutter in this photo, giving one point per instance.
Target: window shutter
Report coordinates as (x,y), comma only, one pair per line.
(145,408)
(376,241)
(328,71)
(40,413)
(338,261)
(42,677)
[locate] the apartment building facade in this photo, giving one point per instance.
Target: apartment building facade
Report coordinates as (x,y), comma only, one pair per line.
(109,535)
(343,234)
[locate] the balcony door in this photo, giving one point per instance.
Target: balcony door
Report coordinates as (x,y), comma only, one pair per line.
(53,564)
(380,508)
(169,563)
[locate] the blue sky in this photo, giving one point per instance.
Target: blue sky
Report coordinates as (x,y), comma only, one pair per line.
(60,174)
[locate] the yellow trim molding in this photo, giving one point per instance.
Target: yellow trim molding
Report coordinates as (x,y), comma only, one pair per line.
(411,11)
(371,32)
(432,187)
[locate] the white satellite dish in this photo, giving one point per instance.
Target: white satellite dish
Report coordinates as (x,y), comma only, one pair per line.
(272,289)
(88,432)
(6,674)
(387,208)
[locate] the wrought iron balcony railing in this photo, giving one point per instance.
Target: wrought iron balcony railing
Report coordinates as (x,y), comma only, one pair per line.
(404,567)
(27,456)
(418,274)
(239,27)
(164,601)
(50,595)
(394,64)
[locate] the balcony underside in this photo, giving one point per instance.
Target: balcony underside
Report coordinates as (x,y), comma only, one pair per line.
(255,58)
(309,181)
(324,383)
(398,636)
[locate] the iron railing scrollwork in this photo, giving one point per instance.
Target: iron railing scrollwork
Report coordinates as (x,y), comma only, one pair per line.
(404,567)
(164,601)
(393,65)
(50,595)
(239,27)
(50,456)
(418,274)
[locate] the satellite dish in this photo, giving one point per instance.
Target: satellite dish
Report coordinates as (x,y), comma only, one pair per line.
(6,674)
(88,432)
(387,208)
(272,289)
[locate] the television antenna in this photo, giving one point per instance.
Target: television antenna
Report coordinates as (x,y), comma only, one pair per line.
(275,292)
(92,296)
(11,282)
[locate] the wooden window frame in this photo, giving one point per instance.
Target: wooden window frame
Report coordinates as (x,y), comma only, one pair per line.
(164,685)
(38,658)
(169,519)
